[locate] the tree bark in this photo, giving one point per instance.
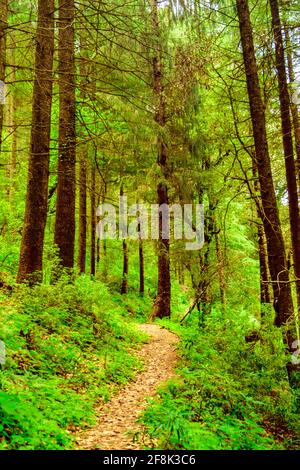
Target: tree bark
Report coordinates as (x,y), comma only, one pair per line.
(93,220)
(14,137)
(265,297)
(82,226)
(124,285)
(294,108)
(65,206)
(141,265)
(287,140)
(30,264)
(163,300)
(82,214)
(276,250)
(220,261)
(3,26)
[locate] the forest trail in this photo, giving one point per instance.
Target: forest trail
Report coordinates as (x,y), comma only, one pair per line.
(116,423)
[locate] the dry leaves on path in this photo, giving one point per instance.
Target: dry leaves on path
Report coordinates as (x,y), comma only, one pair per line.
(116,424)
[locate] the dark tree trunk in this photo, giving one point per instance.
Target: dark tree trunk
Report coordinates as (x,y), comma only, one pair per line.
(82,170)
(141,265)
(287,139)
(93,220)
(13,132)
(65,206)
(124,285)
(220,261)
(82,214)
(3,26)
(294,108)
(276,250)
(38,171)
(162,303)
(265,297)
(98,251)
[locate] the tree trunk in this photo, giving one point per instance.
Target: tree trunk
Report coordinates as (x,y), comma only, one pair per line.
(265,297)
(287,140)
(162,303)
(13,155)
(98,252)
(220,261)
(294,108)
(93,219)
(38,171)
(124,285)
(3,26)
(141,265)
(82,169)
(82,214)
(276,250)
(65,206)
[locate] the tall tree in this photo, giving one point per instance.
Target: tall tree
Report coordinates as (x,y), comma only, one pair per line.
(65,207)
(38,171)
(276,249)
(82,213)
(265,297)
(287,139)
(163,299)
(82,172)
(294,108)
(93,218)
(3,35)
(141,266)
(12,130)
(124,284)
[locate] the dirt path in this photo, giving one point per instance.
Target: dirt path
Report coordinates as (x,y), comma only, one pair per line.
(116,424)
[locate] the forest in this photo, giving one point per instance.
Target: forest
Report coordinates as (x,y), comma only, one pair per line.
(149,225)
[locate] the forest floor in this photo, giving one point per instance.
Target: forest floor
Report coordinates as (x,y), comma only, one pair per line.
(117,426)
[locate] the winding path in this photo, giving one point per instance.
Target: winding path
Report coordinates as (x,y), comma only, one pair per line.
(116,424)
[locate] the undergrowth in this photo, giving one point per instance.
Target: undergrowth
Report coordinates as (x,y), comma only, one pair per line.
(229,394)
(68,347)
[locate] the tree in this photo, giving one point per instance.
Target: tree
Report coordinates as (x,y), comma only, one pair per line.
(31,256)
(93,217)
(82,214)
(287,139)
(141,264)
(163,299)
(124,284)
(3,35)
(294,109)
(65,206)
(82,225)
(276,249)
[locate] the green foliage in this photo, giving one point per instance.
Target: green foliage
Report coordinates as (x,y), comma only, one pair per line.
(68,347)
(233,395)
